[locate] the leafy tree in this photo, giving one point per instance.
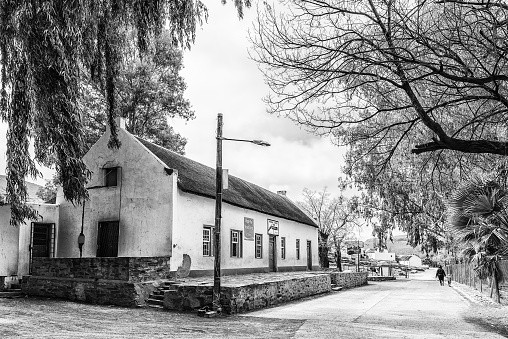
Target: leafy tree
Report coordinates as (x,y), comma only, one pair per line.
(334,218)
(47,49)
(49,191)
(399,197)
(149,90)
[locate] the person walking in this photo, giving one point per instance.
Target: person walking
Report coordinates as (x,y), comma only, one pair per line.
(440,274)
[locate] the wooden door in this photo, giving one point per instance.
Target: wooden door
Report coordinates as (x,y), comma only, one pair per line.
(272,256)
(107,239)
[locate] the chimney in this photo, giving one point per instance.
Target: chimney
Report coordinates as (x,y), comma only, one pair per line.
(120,123)
(283,193)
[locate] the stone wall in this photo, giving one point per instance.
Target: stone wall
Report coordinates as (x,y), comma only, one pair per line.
(349,279)
(248,297)
(256,296)
(119,281)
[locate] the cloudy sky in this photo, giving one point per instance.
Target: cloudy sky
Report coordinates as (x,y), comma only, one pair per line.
(222,79)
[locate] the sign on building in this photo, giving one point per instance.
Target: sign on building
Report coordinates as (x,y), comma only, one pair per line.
(273,227)
(248,228)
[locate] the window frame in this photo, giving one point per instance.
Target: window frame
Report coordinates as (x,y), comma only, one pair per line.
(283,248)
(107,171)
(297,249)
(238,243)
(211,242)
(258,246)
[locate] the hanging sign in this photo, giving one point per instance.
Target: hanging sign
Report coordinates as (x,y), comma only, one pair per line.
(273,227)
(248,228)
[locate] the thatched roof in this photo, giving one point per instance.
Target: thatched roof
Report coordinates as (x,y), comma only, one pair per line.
(199,179)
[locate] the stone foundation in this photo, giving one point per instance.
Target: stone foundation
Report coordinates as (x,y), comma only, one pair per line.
(244,297)
(117,281)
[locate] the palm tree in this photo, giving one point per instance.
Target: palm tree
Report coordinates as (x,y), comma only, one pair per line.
(478,216)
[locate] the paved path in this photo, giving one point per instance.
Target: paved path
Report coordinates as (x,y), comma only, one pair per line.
(417,308)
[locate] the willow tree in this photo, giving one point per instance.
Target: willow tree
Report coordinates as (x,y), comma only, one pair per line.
(46,48)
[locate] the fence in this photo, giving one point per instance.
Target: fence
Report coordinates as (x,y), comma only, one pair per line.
(465,274)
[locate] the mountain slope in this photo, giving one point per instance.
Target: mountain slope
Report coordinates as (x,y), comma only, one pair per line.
(399,246)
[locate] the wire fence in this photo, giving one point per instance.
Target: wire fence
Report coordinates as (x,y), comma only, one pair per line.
(465,274)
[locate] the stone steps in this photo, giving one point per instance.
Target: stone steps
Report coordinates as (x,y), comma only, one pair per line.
(156,298)
(12,293)
(155,302)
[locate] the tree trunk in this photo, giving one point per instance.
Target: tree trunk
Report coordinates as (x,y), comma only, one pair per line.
(338,258)
(495,287)
(323,250)
(323,256)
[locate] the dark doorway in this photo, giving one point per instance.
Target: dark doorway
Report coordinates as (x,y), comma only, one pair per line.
(107,239)
(272,253)
(309,256)
(42,241)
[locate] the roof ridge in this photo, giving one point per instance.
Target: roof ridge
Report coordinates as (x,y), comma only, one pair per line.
(197,178)
(201,164)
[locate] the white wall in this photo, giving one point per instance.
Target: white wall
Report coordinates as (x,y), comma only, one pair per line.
(9,243)
(15,241)
(195,211)
(384,256)
(141,202)
(414,261)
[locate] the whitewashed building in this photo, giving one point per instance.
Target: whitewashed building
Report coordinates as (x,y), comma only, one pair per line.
(382,255)
(147,201)
(410,260)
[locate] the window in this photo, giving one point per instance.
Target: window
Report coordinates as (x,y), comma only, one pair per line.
(208,241)
(283,247)
(236,244)
(111,176)
(297,249)
(259,246)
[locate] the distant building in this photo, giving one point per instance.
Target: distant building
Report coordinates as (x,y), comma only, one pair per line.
(410,260)
(370,253)
(382,256)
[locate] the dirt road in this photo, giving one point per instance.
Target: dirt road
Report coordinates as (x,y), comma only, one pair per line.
(417,308)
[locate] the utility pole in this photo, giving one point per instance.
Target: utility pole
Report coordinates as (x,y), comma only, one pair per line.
(358,262)
(218,218)
(216,305)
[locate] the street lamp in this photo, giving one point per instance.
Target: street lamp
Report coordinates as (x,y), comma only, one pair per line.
(218,211)
(81,236)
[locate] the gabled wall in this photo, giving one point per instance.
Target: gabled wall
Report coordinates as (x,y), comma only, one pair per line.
(141,202)
(195,211)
